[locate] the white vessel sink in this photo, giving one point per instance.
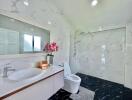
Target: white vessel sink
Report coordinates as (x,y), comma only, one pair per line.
(24,74)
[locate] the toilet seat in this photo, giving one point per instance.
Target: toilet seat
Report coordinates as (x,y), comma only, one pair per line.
(73,77)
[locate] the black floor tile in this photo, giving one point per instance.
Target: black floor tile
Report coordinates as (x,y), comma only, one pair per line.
(61,95)
(105,90)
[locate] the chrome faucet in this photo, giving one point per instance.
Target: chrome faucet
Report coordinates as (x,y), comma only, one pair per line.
(6,69)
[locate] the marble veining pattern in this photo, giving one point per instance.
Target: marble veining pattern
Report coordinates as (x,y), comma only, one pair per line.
(14,8)
(100,54)
(105,54)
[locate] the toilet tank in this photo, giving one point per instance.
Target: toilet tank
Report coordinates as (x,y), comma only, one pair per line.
(67,70)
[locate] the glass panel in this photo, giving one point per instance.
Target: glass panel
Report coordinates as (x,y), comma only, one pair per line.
(28,43)
(37,43)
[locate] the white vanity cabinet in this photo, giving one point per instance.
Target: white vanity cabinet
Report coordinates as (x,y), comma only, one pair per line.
(41,90)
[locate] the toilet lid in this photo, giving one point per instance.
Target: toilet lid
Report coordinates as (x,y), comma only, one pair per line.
(67,70)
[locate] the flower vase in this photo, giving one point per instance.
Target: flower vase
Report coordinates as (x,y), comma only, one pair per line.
(49,59)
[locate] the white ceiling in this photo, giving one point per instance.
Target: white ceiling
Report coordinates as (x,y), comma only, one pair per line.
(79,13)
(83,16)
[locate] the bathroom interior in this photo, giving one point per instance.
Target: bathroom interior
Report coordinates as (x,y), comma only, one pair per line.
(65,50)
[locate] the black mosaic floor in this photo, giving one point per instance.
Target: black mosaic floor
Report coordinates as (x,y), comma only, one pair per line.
(104,90)
(61,95)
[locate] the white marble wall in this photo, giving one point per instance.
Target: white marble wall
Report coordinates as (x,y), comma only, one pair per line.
(128,55)
(105,54)
(101,54)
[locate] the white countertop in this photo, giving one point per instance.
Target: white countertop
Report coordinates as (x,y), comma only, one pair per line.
(7,86)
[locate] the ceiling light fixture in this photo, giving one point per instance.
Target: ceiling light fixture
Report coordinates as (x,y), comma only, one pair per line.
(26,3)
(94,2)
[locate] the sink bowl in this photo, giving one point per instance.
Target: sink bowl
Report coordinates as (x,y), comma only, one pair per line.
(24,74)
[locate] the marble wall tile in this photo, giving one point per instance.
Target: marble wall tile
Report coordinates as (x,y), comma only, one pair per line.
(128,56)
(129,33)
(105,54)
(101,54)
(128,67)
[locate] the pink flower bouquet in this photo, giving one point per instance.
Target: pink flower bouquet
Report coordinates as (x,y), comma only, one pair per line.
(51,47)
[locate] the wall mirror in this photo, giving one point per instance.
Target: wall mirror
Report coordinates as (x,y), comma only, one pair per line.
(18,37)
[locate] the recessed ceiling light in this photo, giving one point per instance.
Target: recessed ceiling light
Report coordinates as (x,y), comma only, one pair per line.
(26,3)
(49,22)
(94,2)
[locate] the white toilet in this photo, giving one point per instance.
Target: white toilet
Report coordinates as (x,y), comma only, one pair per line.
(71,81)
